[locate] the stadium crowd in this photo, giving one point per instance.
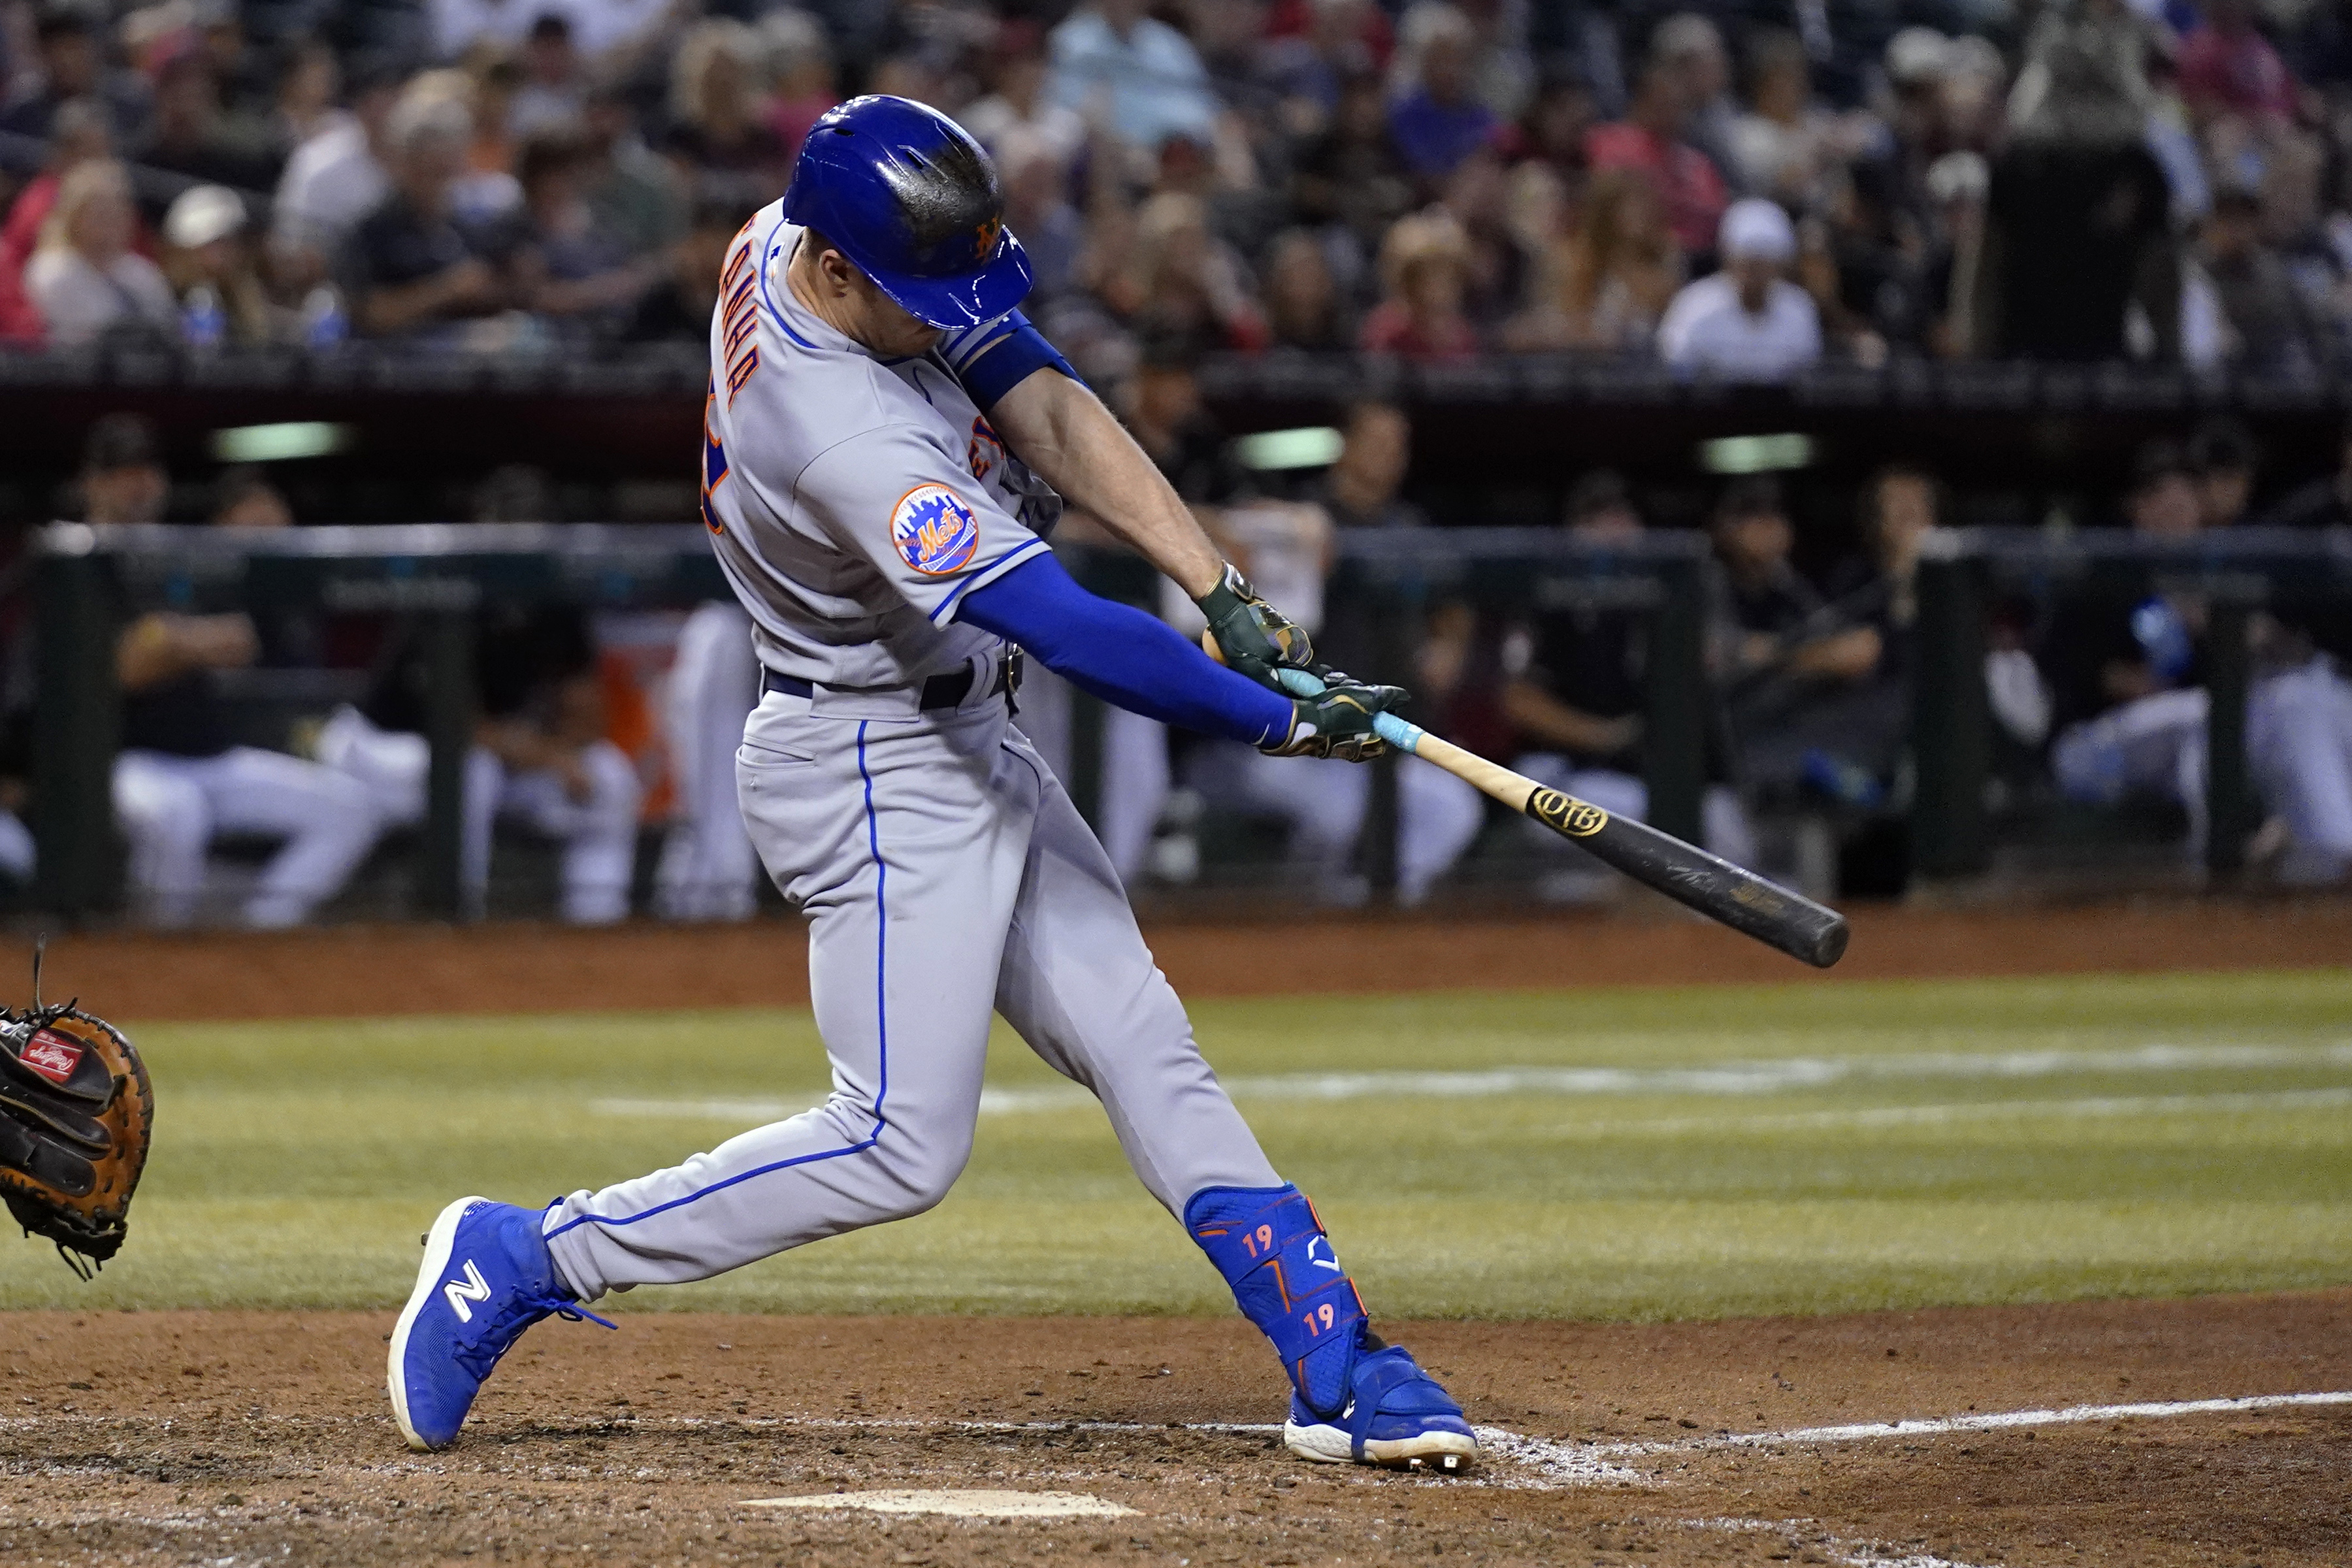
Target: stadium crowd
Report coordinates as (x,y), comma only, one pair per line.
(1741,188)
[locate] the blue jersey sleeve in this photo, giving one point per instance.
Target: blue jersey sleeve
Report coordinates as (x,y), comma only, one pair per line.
(1123,655)
(996,356)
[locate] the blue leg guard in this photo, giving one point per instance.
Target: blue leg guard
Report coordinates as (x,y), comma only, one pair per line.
(1354,1400)
(1269,1245)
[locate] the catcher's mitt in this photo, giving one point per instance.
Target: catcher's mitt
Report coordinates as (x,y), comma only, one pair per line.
(76,1110)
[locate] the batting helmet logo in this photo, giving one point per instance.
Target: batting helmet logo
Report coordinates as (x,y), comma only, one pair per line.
(934,533)
(985,245)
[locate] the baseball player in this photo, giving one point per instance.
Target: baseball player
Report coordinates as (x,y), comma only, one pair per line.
(885,435)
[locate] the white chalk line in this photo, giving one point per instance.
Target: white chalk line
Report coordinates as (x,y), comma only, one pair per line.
(1968,1110)
(1757,1077)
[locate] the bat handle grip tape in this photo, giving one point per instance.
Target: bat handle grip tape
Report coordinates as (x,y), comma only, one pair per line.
(1404,735)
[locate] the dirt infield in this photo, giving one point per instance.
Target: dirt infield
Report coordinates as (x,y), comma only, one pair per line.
(354,971)
(231,1438)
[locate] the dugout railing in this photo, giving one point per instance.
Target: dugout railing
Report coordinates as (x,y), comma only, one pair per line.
(86,579)
(2304,577)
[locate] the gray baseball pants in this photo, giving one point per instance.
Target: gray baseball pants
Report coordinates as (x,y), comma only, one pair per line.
(946,876)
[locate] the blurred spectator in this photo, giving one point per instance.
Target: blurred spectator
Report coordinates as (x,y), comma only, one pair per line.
(190,135)
(70,42)
(1436,118)
(1787,663)
(677,308)
(122,476)
(803,62)
(1607,283)
(2226,462)
(410,269)
(2228,69)
(1691,46)
(244,498)
(1652,141)
(1956,186)
(1784,143)
(1361,490)
(209,260)
(2129,676)
(1879,293)
(337,177)
(1352,174)
(540,758)
(179,782)
(1037,208)
(554,85)
(1494,266)
(1553,128)
(636,196)
(571,269)
(85,279)
(1303,307)
(2077,228)
(1181,283)
(2265,325)
(1312,48)
(1018,118)
(77,136)
(1575,693)
(304,103)
(1423,265)
(714,104)
(1112,61)
(1163,411)
(1747,322)
(460,24)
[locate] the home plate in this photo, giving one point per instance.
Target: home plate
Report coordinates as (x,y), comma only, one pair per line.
(962,1504)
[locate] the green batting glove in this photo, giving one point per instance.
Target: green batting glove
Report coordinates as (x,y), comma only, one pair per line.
(1339,723)
(1253,636)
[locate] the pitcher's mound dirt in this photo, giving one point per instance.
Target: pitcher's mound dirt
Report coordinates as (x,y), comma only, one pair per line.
(216,1437)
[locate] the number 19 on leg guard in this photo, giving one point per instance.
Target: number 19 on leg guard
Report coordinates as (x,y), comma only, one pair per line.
(1353,1398)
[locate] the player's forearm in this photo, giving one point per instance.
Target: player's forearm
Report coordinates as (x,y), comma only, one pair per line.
(1063,432)
(1123,655)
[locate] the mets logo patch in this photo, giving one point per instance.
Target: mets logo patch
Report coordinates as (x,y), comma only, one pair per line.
(52,1056)
(934,533)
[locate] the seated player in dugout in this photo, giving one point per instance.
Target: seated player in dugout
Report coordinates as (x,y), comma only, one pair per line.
(886,442)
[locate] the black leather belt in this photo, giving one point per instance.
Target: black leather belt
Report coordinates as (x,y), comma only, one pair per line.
(948,690)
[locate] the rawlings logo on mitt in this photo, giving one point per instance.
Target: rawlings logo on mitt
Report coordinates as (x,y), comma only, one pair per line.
(76,1111)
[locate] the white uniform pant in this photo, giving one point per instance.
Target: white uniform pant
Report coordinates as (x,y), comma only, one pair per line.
(1322,800)
(945,876)
(598,832)
(708,871)
(2298,754)
(172,807)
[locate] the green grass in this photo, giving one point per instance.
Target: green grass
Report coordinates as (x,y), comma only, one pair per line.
(295,1163)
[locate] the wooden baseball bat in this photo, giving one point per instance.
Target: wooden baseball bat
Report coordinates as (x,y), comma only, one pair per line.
(1684,872)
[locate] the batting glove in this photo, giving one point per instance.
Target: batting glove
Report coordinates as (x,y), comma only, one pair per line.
(1251,635)
(1338,722)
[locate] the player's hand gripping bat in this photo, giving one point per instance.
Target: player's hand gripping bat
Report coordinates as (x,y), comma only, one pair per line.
(1684,872)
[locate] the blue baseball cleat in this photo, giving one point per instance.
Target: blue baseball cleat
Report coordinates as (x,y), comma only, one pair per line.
(1396,1415)
(487,1278)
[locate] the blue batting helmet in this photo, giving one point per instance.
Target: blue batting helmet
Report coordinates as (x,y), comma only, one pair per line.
(907,194)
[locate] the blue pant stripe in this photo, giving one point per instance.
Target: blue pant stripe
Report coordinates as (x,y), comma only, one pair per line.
(882,1031)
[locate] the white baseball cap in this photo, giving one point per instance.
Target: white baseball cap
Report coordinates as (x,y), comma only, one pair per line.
(1758,228)
(203,214)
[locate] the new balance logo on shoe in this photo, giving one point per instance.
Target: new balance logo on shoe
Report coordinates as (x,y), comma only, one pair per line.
(472,1288)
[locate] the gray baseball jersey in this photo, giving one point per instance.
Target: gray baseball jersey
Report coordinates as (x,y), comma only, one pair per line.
(853,501)
(943,871)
